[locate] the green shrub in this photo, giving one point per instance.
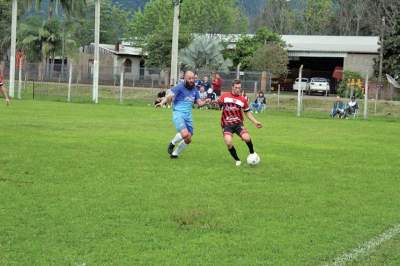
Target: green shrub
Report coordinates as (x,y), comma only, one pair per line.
(345,88)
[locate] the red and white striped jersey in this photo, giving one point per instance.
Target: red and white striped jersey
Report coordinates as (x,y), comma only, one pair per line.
(232,107)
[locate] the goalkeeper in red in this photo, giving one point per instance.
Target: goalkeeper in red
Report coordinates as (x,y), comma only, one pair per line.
(233,105)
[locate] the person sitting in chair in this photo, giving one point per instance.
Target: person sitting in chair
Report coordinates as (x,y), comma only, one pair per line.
(352,106)
(259,103)
(338,108)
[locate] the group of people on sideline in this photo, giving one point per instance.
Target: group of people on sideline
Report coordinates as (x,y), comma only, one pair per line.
(210,92)
(342,110)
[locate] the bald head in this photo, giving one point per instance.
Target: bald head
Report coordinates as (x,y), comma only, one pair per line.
(189,79)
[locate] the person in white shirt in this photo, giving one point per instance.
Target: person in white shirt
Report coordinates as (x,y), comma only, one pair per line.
(352,106)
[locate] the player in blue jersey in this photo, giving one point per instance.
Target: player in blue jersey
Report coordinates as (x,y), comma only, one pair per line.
(184,95)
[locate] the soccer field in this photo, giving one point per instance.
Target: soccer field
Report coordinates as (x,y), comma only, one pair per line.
(84,184)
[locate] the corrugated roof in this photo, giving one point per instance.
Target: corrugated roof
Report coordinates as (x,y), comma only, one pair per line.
(318,43)
(339,44)
(123,50)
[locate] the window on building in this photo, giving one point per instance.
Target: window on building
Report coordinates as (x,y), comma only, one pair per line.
(128,66)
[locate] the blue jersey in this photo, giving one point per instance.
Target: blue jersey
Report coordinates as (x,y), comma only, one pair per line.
(184,98)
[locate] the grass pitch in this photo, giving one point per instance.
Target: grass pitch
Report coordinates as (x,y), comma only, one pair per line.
(93,184)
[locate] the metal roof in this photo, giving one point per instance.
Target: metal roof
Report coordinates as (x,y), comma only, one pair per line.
(337,44)
(123,50)
(318,43)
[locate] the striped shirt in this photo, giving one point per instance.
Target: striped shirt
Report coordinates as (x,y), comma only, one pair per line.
(232,107)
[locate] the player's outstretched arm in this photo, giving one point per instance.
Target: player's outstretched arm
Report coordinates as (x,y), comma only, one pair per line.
(251,117)
(200,103)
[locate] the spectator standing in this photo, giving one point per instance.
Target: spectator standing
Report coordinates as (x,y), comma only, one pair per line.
(217,84)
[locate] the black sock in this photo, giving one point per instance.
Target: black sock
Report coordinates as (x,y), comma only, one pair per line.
(250,145)
(232,151)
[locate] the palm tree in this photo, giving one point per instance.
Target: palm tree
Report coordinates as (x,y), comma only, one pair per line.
(69,6)
(205,53)
(40,38)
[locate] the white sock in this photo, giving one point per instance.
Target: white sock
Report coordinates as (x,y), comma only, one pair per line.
(177,138)
(180,148)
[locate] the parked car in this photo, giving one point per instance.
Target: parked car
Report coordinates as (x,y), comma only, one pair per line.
(303,84)
(320,85)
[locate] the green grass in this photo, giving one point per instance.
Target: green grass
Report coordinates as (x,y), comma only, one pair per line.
(93,184)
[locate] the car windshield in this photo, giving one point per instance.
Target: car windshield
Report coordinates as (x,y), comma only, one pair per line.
(302,80)
(319,80)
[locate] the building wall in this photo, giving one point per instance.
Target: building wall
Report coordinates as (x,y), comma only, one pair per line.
(134,72)
(361,63)
(109,67)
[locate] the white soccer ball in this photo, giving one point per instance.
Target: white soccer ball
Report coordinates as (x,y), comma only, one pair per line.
(253,159)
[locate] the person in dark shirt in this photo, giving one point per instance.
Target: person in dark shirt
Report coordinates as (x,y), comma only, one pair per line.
(160,97)
(197,82)
(206,83)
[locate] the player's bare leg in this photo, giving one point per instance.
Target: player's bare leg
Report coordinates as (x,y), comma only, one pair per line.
(246,138)
(229,144)
(4,92)
(187,139)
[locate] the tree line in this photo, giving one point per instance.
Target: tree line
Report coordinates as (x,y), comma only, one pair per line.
(328,17)
(66,25)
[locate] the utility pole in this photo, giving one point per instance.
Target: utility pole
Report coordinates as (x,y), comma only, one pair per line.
(175,43)
(95,92)
(13,47)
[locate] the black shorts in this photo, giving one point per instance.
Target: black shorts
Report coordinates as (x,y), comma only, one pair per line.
(238,129)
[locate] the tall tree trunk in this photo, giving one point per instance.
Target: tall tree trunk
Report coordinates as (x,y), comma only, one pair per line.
(52,65)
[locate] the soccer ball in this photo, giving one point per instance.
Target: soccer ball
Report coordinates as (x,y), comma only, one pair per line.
(253,159)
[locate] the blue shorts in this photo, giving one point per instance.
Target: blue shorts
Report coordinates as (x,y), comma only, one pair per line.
(183,120)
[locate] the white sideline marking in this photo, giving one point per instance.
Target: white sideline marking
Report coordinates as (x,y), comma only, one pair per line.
(367,247)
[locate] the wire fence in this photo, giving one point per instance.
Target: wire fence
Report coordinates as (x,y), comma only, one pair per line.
(65,84)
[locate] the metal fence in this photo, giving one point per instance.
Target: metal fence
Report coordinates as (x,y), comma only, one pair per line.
(54,82)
